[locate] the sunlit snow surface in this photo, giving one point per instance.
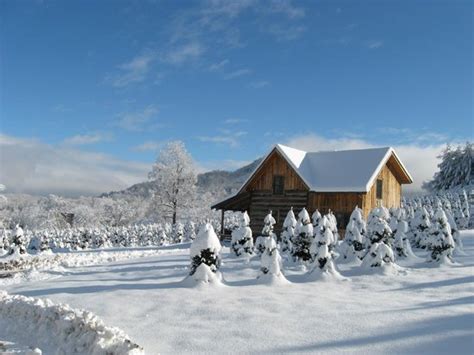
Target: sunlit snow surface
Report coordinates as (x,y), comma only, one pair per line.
(419,309)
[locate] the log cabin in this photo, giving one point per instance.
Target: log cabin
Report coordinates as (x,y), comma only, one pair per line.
(324,180)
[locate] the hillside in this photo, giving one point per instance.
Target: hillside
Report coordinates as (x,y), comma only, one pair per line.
(216,180)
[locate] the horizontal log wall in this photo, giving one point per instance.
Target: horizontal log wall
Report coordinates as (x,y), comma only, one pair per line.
(262,202)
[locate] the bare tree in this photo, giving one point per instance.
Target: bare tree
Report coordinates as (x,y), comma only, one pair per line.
(174,177)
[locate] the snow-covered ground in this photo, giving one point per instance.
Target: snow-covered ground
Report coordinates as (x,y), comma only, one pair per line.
(422,310)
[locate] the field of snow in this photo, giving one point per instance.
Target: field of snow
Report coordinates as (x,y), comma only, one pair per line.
(423,309)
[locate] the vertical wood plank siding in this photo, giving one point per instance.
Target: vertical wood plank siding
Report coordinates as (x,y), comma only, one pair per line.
(275,164)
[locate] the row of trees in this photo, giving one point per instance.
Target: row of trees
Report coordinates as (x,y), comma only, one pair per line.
(172,196)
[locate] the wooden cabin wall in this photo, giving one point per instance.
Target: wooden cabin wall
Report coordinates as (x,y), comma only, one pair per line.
(264,201)
(341,203)
(391,191)
(275,165)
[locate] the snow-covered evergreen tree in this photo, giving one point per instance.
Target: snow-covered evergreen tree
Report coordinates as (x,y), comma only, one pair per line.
(270,269)
(420,226)
(352,249)
(177,233)
(440,241)
(401,243)
(303,238)
(316,218)
(321,256)
(189,231)
(267,232)
(19,242)
(333,225)
(465,209)
(455,169)
(205,256)
(379,235)
(288,233)
(242,240)
(459,247)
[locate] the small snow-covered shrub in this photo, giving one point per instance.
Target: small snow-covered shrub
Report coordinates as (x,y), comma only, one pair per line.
(440,241)
(267,232)
(321,256)
(288,233)
(270,269)
(379,235)
(353,246)
(205,256)
(242,241)
(303,238)
(401,244)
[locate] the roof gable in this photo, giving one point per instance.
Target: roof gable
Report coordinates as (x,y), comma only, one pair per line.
(338,171)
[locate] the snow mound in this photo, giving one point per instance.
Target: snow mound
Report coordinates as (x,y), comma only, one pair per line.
(272,279)
(60,327)
(10,348)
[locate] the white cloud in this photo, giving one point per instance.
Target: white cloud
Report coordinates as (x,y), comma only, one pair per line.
(184,53)
(374,44)
(137,121)
(131,72)
(83,139)
(259,84)
(30,166)
(225,137)
(234,121)
(219,65)
(283,32)
(237,74)
(286,8)
(148,146)
(420,160)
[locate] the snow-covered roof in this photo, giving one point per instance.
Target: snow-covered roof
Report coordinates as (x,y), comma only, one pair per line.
(337,171)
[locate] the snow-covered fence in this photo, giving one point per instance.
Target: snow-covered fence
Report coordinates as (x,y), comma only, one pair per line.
(60,328)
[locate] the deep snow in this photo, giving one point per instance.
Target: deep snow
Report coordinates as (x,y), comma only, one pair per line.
(422,309)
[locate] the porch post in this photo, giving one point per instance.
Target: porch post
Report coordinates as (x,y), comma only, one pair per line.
(222,224)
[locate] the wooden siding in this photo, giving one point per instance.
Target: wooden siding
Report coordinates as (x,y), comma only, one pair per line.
(391,190)
(264,201)
(341,203)
(275,164)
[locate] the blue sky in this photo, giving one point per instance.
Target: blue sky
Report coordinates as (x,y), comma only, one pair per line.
(117,79)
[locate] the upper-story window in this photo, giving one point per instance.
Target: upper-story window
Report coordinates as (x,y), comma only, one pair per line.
(278,184)
(379,189)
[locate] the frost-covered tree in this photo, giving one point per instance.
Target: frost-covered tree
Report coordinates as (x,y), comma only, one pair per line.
(455,169)
(321,256)
(189,231)
(352,248)
(333,225)
(270,269)
(455,232)
(401,243)
(267,232)
(19,242)
(465,209)
(316,218)
(177,233)
(174,179)
(440,242)
(303,238)
(420,226)
(205,256)
(288,234)
(242,241)
(379,235)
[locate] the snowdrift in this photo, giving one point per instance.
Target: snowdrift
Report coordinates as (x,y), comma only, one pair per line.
(60,328)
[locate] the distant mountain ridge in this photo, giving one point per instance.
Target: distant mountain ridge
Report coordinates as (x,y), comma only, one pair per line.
(216,180)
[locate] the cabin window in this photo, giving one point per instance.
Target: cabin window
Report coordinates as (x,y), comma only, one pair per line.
(379,189)
(278,184)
